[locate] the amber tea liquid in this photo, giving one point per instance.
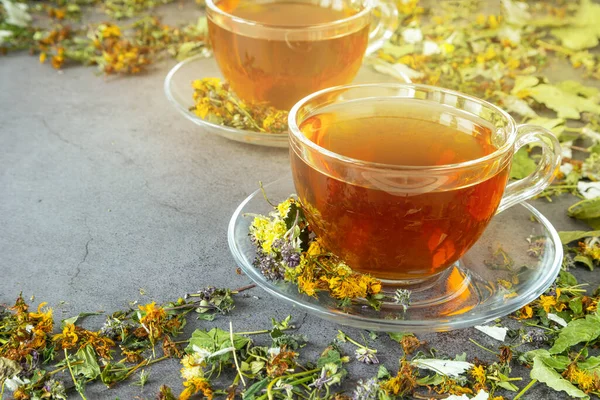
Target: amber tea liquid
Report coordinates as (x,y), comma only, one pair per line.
(282,66)
(388,233)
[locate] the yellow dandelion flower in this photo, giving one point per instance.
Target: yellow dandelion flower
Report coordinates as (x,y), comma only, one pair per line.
(315,248)
(192,372)
(513,63)
(373,285)
(68,338)
(347,288)
(202,108)
(152,320)
(196,385)
(490,53)
(546,302)
(307,285)
(447,48)
(111,31)
(478,373)
(525,312)
(480,19)
(341,269)
(493,21)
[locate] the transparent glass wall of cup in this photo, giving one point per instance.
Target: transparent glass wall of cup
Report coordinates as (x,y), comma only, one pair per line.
(403,223)
(278,51)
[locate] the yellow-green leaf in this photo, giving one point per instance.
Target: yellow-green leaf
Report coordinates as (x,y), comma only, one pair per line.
(577,331)
(522,165)
(543,373)
(567,237)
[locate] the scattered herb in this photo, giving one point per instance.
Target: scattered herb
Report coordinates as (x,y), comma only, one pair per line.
(115,49)
(287,249)
(216,103)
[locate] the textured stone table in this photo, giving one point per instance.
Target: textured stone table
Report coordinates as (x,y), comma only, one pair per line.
(106,190)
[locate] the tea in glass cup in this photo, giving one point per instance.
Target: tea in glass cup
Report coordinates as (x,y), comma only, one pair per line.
(279,51)
(401,180)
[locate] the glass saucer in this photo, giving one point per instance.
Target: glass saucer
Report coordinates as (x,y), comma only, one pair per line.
(513,263)
(178,89)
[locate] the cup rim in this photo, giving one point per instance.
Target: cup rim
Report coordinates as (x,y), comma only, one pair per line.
(294,131)
(210,4)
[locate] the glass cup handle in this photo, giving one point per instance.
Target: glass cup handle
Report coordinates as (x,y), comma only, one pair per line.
(535,183)
(388,22)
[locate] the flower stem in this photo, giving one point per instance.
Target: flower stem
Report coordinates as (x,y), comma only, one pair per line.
(243,288)
(526,388)
(142,364)
(263,331)
(235,360)
(274,381)
(301,380)
(482,346)
(354,342)
(554,47)
(77,385)
(56,371)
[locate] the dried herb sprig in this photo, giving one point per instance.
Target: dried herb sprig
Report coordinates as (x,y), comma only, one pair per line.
(287,250)
(115,49)
(215,102)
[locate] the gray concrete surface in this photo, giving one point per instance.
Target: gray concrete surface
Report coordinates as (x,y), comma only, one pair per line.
(105,190)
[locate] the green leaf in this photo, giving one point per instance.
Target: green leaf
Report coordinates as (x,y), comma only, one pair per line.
(508,386)
(577,331)
(567,237)
(543,373)
(575,87)
(398,336)
(522,165)
(585,260)
(577,38)
(256,366)
(431,380)
(585,209)
(567,105)
(566,279)
(594,223)
(215,339)
(330,356)
(383,373)
(523,83)
(576,305)
(584,30)
(89,366)
(590,363)
(285,323)
(255,389)
(398,51)
(557,362)
(206,317)
(113,373)
(76,318)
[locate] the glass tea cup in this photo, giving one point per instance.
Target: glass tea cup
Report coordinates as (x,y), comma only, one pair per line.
(278,51)
(400,180)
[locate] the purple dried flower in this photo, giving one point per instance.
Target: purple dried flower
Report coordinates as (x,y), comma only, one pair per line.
(366,355)
(269,267)
(536,336)
(366,390)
